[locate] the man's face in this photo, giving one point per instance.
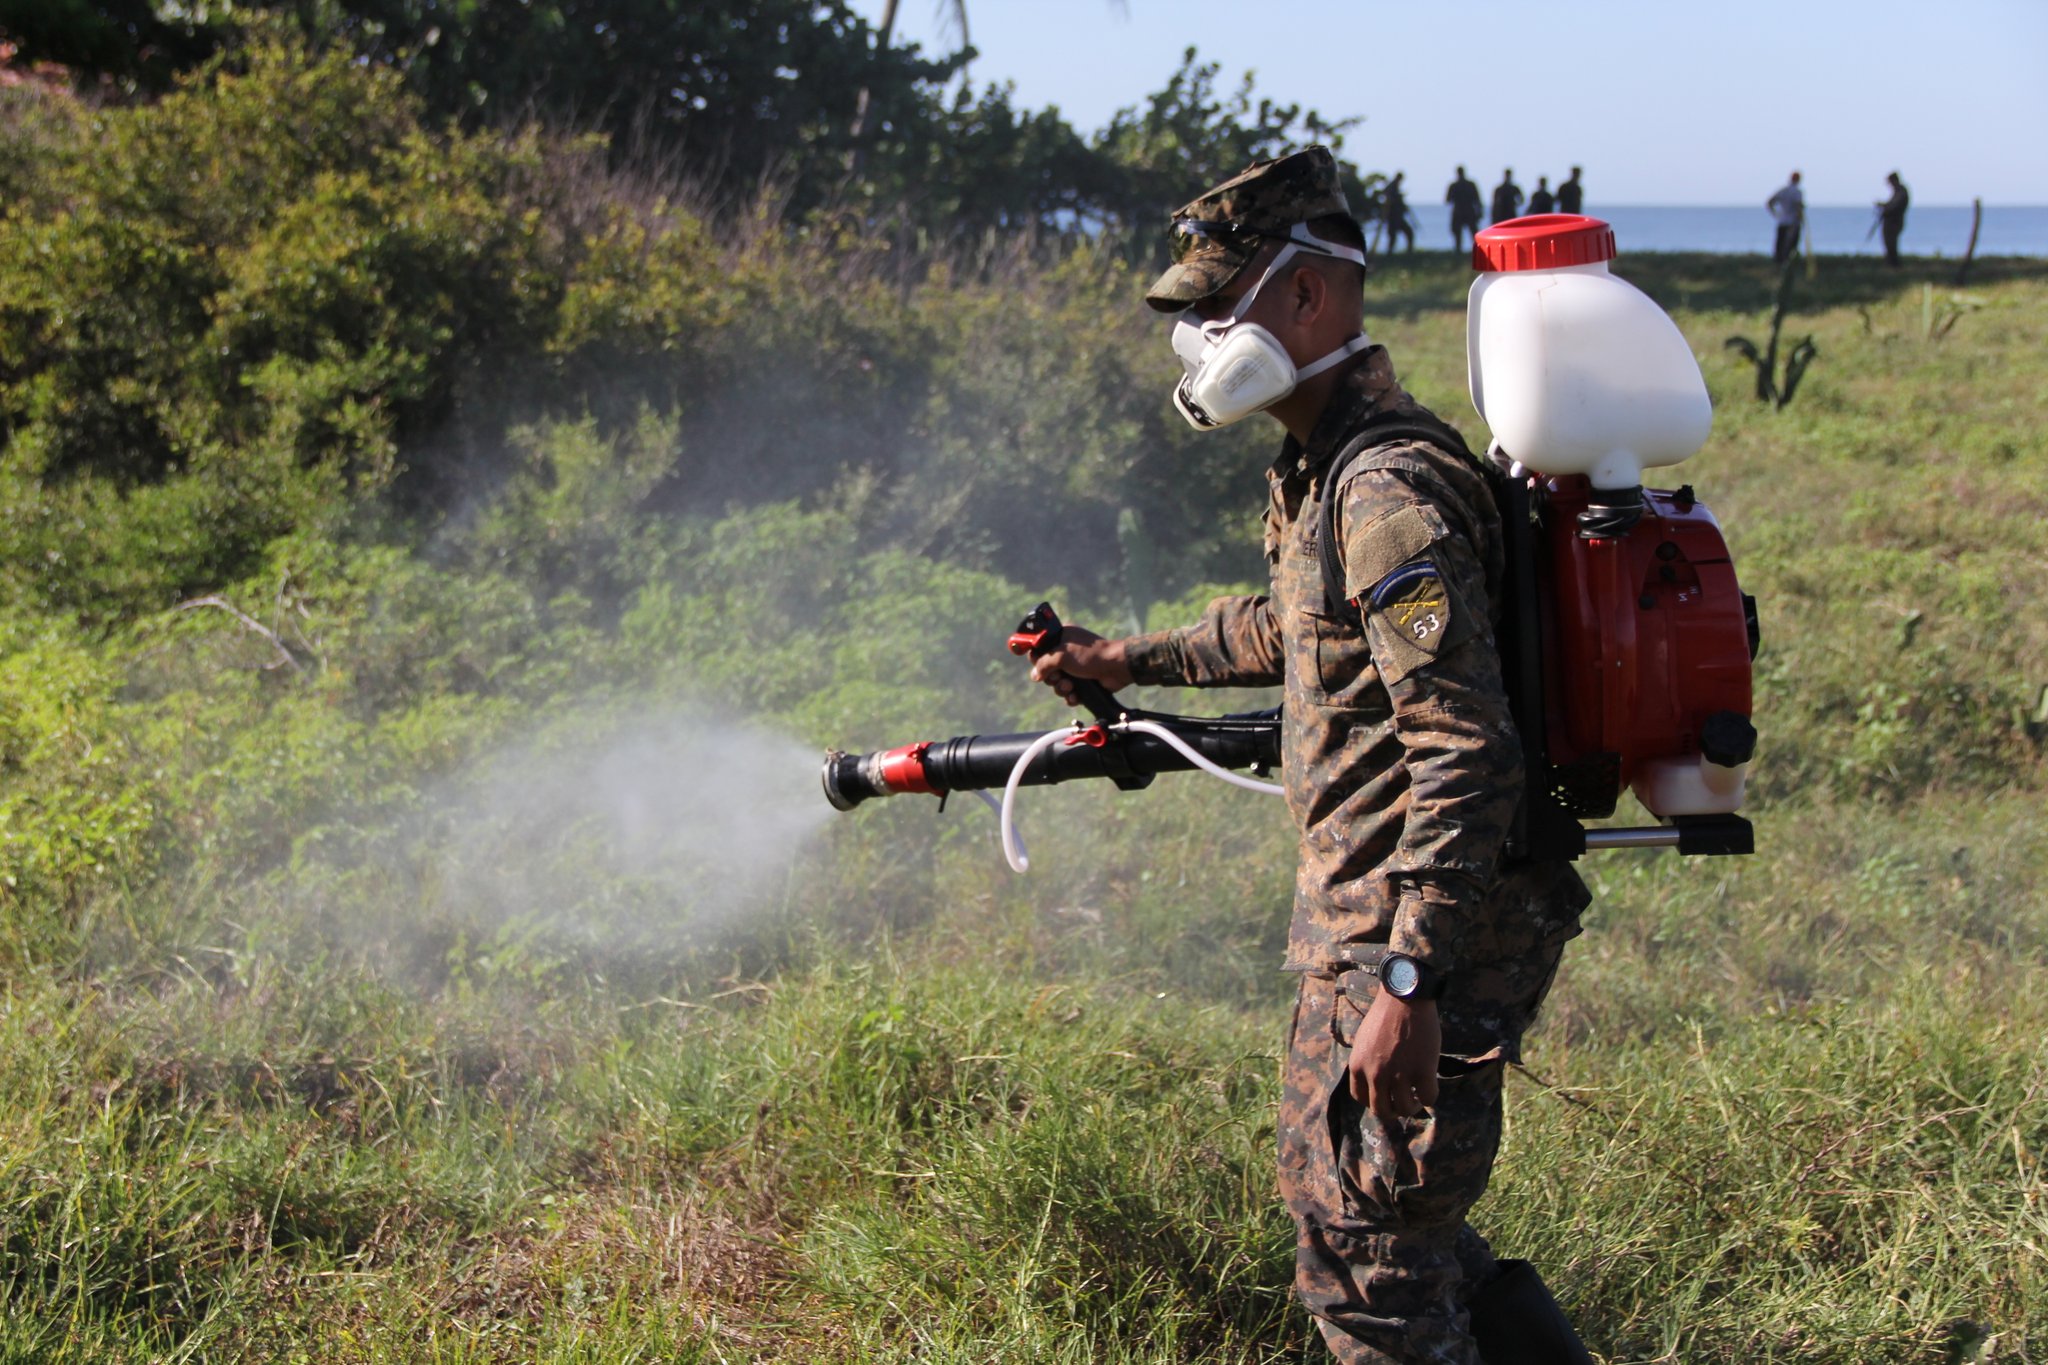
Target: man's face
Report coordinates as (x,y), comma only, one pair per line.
(1223,303)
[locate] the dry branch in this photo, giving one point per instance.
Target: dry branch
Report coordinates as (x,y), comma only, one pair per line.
(284,655)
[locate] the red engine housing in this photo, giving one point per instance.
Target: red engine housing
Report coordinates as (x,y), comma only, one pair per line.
(1648,636)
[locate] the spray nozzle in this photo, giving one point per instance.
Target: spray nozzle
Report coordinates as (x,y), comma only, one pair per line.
(844,786)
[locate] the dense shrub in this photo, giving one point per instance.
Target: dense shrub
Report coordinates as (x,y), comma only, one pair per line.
(278,300)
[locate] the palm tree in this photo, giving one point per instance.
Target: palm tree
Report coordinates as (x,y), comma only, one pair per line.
(955,10)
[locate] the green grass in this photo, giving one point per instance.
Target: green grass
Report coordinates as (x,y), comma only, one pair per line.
(1787,1108)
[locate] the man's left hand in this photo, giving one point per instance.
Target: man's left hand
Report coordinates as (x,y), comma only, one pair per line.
(1393,1059)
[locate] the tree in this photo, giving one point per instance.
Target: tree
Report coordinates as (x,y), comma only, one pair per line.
(734,96)
(140,43)
(883,31)
(737,91)
(1188,135)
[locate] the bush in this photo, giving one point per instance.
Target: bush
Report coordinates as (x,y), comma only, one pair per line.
(76,808)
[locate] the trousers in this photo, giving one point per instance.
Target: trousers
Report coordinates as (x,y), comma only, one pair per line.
(1385,1257)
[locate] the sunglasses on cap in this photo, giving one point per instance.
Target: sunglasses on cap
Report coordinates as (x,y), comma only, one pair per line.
(1187,232)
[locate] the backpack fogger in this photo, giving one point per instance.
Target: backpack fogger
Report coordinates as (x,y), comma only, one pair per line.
(1626,642)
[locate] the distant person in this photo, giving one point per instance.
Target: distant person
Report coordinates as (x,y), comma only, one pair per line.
(1394,213)
(1891,217)
(1788,211)
(1542,201)
(1571,195)
(1466,209)
(1507,197)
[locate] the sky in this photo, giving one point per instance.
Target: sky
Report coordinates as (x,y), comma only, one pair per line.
(1661,101)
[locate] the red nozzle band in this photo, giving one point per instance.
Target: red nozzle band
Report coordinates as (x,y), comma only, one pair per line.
(902,770)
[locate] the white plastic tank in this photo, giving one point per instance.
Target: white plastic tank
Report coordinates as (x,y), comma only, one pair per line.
(1576,370)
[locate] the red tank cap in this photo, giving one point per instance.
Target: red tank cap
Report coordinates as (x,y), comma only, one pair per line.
(1542,241)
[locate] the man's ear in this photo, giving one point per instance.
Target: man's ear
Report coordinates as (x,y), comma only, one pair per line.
(1308,293)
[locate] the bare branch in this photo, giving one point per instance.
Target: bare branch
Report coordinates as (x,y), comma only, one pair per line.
(284,655)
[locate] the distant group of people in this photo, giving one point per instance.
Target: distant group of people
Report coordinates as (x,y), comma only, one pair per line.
(1469,210)
(1463,197)
(1788,211)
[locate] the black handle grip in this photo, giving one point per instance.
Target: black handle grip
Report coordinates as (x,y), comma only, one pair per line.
(1039,633)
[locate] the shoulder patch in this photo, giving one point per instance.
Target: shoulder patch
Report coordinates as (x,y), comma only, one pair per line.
(1413,601)
(1413,617)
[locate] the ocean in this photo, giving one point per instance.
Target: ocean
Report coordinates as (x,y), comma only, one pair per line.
(1931,230)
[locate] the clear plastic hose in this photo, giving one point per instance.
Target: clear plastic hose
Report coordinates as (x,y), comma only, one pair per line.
(1013,843)
(1187,751)
(1013,847)
(996,809)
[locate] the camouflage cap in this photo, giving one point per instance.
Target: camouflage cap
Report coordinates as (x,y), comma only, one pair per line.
(1218,233)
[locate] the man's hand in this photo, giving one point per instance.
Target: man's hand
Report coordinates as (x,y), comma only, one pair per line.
(1393,1059)
(1082,654)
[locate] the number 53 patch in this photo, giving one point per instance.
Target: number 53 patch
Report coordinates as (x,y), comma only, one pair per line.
(1411,618)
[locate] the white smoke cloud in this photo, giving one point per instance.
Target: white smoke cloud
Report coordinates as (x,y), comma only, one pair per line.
(661,825)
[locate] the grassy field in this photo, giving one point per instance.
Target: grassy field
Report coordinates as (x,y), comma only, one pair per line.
(896,1104)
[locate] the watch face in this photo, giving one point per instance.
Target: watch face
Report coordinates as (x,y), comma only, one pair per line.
(1400,975)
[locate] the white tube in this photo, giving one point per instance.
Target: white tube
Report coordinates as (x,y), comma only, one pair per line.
(1187,751)
(1013,848)
(996,809)
(1013,843)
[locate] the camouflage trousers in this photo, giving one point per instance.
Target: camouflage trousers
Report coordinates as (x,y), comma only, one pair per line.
(1385,1258)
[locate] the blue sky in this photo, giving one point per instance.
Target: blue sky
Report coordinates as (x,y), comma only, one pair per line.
(1662,101)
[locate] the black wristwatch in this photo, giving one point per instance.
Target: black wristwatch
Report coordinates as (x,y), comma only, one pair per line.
(1407,978)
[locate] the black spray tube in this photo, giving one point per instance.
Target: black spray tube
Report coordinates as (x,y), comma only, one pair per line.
(984,762)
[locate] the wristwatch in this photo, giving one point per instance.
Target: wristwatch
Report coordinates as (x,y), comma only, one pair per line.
(1407,978)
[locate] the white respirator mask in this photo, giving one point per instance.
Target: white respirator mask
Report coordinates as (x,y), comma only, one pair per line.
(1234,368)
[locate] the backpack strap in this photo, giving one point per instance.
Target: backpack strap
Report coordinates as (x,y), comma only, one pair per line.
(1382,430)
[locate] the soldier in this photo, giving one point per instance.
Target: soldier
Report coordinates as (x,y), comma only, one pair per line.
(1422,955)
(1542,201)
(1571,195)
(1463,197)
(1507,197)
(1394,211)
(1891,217)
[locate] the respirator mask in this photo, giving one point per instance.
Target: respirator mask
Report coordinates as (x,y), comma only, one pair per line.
(1235,368)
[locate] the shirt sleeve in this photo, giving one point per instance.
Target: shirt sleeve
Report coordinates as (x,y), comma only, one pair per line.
(1421,587)
(1235,644)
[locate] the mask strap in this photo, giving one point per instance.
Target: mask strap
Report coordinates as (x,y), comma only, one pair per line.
(1213,331)
(1298,239)
(1301,236)
(1219,326)
(1342,353)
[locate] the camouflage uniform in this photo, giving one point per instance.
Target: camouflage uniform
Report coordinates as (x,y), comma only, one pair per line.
(1402,769)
